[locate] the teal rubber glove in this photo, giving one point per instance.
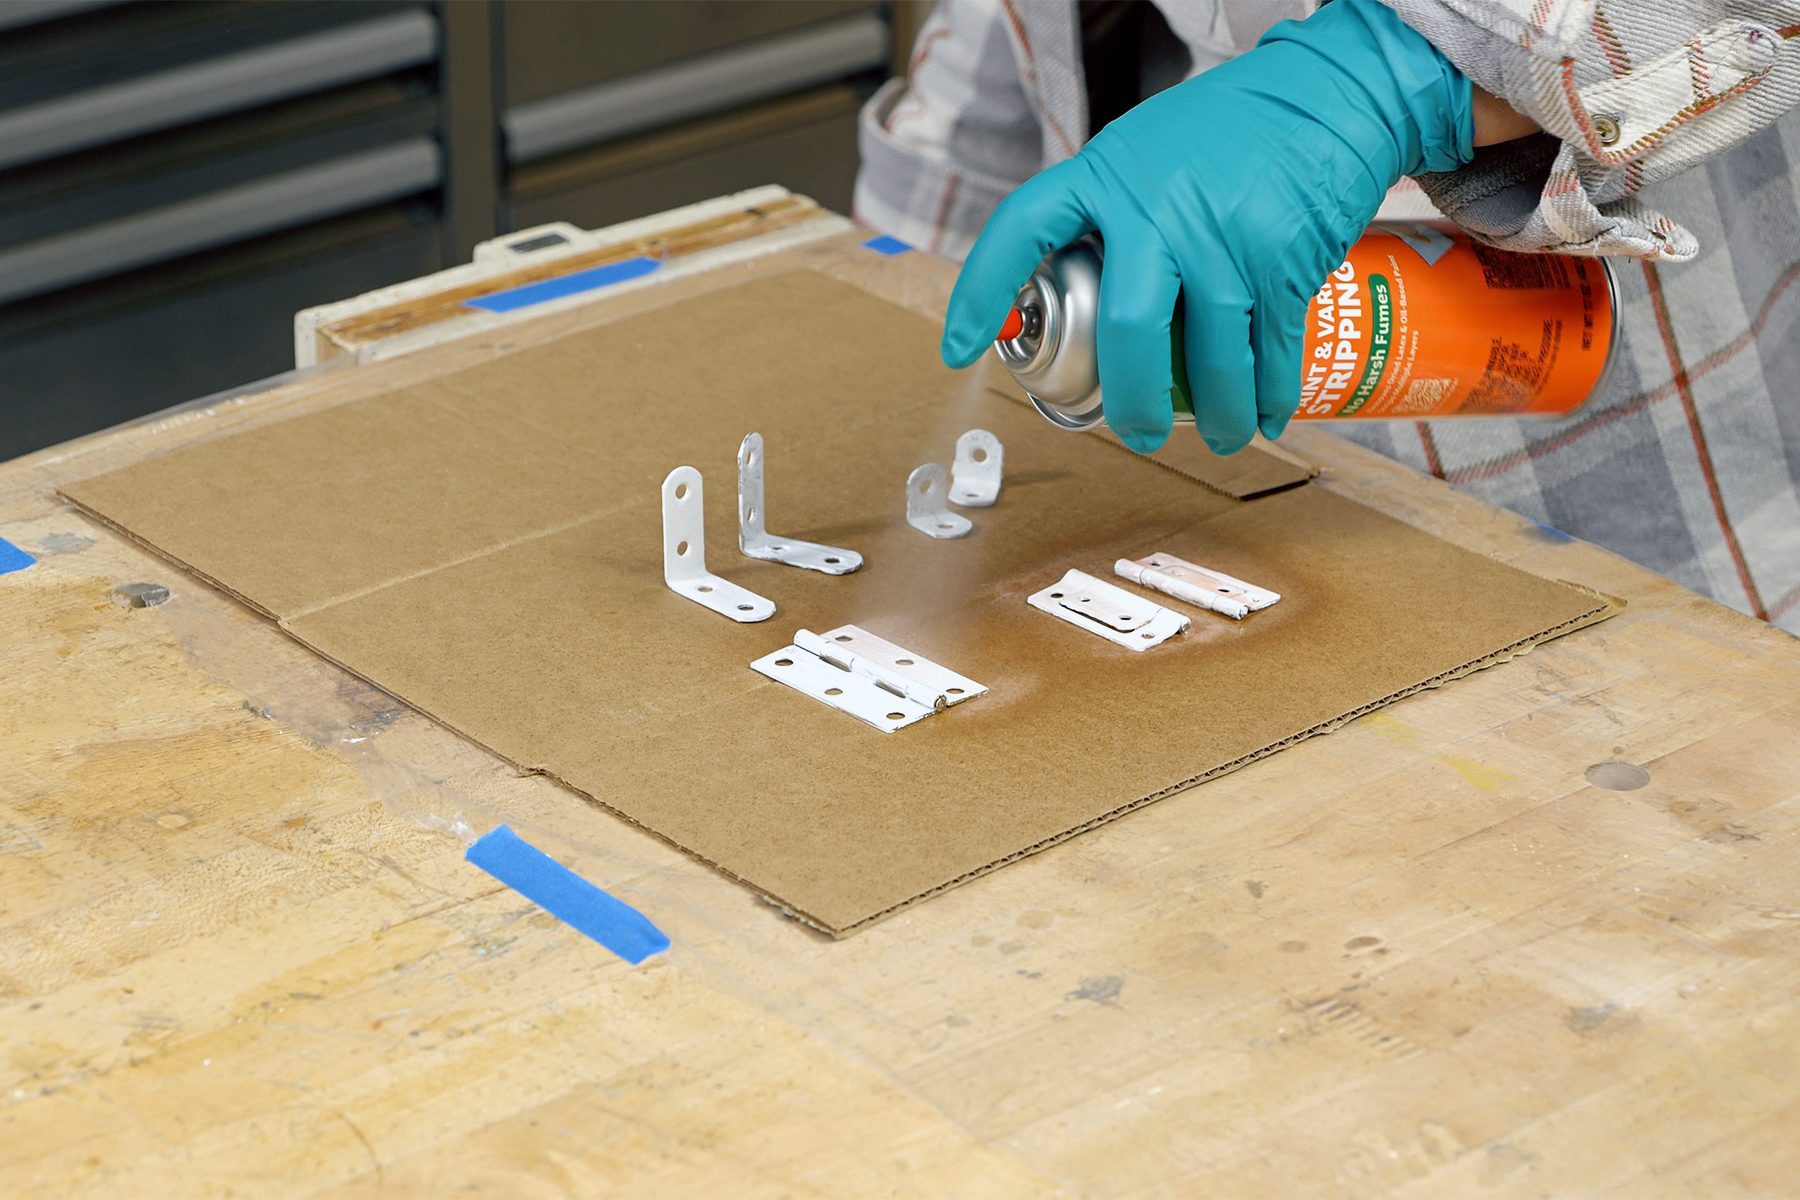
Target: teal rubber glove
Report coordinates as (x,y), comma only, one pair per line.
(1236,192)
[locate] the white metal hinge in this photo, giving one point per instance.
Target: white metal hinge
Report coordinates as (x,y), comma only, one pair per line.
(872,679)
(1112,612)
(1197,585)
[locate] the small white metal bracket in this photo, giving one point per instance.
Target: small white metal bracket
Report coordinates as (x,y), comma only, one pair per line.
(756,541)
(684,553)
(1197,585)
(1112,612)
(975,475)
(873,680)
(927,489)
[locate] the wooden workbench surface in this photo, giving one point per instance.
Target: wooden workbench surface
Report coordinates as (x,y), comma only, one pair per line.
(240,950)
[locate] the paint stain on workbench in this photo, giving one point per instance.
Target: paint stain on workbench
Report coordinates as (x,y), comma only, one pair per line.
(1392,729)
(1617,776)
(1103,989)
(1477,774)
(1501,1162)
(1585,1020)
(64,543)
(1474,772)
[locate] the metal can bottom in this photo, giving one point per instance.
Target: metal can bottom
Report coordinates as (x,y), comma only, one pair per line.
(1063,418)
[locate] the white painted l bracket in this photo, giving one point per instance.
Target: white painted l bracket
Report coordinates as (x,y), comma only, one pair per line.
(1197,585)
(873,680)
(1112,612)
(975,475)
(684,553)
(756,541)
(926,508)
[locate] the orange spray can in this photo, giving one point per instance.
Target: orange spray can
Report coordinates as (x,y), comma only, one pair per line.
(1420,322)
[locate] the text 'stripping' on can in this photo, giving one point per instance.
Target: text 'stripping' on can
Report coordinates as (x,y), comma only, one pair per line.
(1420,322)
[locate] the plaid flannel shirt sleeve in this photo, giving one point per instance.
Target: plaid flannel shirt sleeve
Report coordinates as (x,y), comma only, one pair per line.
(1628,93)
(993,94)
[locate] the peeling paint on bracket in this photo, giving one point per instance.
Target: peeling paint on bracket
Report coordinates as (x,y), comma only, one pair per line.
(684,553)
(1112,612)
(756,541)
(927,507)
(976,473)
(872,679)
(1199,586)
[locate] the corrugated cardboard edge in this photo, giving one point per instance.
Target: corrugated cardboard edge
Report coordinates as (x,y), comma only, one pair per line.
(1268,469)
(1262,469)
(516,764)
(102,519)
(1605,607)
(1301,473)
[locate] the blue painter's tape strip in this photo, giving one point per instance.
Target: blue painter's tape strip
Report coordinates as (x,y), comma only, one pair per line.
(12,558)
(567,285)
(566,896)
(886,245)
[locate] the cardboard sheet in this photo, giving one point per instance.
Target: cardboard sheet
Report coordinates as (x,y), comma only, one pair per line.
(486,546)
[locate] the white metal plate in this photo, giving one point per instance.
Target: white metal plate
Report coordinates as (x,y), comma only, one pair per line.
(756,541)
(926,508)
(976,473)
(684,553)
(1112,612)
(1201,586)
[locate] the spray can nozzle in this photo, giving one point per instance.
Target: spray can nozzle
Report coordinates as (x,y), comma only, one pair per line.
(1024,320)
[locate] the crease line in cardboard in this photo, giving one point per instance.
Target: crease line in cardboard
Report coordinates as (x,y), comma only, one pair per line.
(452,563)
(485,551)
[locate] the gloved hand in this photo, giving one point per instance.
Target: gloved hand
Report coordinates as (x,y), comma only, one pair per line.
(1237,191)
